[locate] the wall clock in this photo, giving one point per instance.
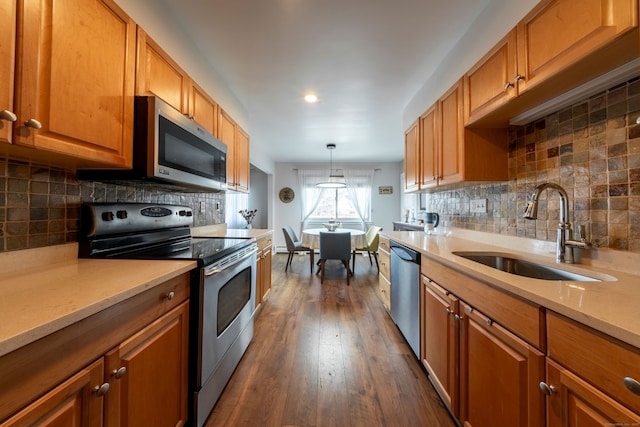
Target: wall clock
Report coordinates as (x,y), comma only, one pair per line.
(286,195)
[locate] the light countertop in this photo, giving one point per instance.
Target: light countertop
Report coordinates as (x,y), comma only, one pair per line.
(610,305)
(220,230)
(46,289)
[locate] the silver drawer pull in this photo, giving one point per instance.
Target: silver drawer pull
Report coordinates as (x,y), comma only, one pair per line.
(170,295)
(33,123)
(101,390)
(119,373)
(7,115)
(547,389)
(632,384)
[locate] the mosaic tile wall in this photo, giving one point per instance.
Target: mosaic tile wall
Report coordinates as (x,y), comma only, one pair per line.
(592,149)
(40,205)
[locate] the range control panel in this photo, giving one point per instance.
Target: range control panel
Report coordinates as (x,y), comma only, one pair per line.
(100,219)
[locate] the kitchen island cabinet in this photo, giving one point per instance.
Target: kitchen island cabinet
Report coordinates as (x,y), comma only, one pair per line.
(86,120)
(75,375)
(263,267)
(384,275)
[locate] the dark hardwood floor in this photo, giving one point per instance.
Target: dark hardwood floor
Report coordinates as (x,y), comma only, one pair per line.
(327,355)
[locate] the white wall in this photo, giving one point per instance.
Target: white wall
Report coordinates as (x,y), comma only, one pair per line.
(384,208)
(498,18)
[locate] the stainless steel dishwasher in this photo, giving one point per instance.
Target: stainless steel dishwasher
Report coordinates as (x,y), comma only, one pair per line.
(405,293)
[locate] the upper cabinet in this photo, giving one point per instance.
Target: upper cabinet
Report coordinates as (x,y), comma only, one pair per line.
(74,82)
(237,142)
(558,46)
(203,109)
(449,153)
(159,75)
(7,62)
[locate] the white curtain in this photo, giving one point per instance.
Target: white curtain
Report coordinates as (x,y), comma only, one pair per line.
(359,186)
(234,203)
(310,194)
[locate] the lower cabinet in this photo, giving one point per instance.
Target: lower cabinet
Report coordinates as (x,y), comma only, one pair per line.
(263,267)
(384,262)
(124,366)
(499,375)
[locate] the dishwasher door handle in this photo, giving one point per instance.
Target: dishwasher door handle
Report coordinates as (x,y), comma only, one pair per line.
(403,254)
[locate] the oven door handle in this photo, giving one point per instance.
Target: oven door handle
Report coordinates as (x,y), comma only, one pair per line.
(216,270)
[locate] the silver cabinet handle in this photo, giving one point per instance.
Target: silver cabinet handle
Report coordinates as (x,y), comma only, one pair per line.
(632,384)
(489,322)
(8,116)
(518,78)
(33,123)
(101,390)
(119,373)
(170,295)
(547,389)
(508,85)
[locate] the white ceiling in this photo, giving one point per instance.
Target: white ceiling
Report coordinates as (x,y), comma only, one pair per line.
(365,59)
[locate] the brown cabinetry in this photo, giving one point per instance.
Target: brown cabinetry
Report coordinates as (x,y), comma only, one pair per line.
(7,66)
(100,371)
(590,376)
(263,274)
(237,142)
(157,74)
(482,349)
(559,45)
(203,110)
(439,150)
(384,276)
(440,342)
(74,82)
(499,375)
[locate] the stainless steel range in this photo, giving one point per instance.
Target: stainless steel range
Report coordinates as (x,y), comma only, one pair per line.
(223,288)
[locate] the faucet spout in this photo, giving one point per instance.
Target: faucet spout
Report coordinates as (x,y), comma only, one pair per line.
(531,212)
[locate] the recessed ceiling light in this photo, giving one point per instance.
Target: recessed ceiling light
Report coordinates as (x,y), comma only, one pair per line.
(311,98)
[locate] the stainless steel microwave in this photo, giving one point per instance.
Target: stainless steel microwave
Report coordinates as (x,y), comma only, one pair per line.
(168,147)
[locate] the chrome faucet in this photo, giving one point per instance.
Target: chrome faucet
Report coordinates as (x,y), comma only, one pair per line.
(564,244)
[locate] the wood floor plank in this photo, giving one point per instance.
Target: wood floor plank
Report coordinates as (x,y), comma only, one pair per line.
(327,355)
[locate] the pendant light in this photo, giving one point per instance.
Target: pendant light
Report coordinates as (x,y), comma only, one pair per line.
(331,183)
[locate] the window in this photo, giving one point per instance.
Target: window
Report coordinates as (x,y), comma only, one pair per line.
(334,203)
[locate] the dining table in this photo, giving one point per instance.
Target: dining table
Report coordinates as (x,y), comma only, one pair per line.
(311,237)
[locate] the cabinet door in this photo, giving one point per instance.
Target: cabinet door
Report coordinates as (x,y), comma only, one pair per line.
(429,148)
(440,341)
(558,33)
(151,390)
(7,66)
(265,277)
(242,152)
(574,402)
(411,158)
(203,109)
(75,79)
(227,134)
(76,402)
(451,136)
(159,75)
(499,376)
(491,82)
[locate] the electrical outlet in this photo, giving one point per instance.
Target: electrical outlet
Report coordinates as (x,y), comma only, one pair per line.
(218,206)
(202,207)
(479,206)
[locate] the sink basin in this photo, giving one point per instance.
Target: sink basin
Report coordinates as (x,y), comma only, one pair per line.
(524,268)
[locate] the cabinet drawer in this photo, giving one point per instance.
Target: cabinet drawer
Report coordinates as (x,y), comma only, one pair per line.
(523,318)
(599,359)
(264,242)
(384,261)
(383,244)
(384,291)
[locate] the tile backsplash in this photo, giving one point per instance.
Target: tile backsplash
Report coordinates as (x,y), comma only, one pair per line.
(592,149)
(40,205)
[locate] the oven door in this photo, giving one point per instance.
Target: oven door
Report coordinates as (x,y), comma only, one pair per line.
(228,300)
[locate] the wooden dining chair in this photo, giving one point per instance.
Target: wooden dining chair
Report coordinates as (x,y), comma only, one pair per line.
(334,245)
(294,245)
(372,237)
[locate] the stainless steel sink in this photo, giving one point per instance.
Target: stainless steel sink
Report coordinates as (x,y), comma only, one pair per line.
(524,268)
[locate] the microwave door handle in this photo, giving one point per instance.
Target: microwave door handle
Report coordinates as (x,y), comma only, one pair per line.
(213,271)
